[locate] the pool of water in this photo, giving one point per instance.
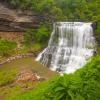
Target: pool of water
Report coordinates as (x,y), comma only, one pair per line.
(28,63)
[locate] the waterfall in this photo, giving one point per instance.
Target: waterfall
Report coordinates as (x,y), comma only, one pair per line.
(69,47)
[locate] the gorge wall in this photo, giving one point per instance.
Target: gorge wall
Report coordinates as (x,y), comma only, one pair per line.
(17,20)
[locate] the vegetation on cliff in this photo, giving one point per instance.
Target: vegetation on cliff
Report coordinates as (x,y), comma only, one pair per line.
(51,11)
(36,36)
(77,10)
(64,10)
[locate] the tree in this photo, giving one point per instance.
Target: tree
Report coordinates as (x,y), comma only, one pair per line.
(41,6)
(42,35)
(20,3)
(36,36)
(29,37)
(56,14)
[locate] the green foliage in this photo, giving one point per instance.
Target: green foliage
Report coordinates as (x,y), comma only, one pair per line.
(73,9)
(42,35)
(23,4)
(6,47)
(36,36)
(29,37)
(41,6)
(7,77)
(36,5)
(64,10)
(56,14)
(84,84)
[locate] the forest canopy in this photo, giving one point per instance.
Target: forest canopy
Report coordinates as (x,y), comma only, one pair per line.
(63,10)
(79,10)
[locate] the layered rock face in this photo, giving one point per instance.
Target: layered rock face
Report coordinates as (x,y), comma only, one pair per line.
(17,20)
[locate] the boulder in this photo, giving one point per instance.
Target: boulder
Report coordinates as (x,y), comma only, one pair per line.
(28,75)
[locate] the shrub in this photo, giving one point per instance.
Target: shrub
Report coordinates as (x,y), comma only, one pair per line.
(6,47)
(82,85)
(7,77)
(36,36)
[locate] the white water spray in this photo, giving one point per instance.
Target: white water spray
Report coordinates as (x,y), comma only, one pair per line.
(69,47)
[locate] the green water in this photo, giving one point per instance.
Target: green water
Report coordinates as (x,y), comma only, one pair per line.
(28,63)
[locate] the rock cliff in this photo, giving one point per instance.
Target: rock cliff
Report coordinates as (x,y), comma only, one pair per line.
(17,20)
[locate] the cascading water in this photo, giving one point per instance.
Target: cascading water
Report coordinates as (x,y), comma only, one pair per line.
(70,45)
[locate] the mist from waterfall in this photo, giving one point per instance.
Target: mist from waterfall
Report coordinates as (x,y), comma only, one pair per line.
(69,47)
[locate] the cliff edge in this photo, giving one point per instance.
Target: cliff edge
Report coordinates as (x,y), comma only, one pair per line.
(17,20)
